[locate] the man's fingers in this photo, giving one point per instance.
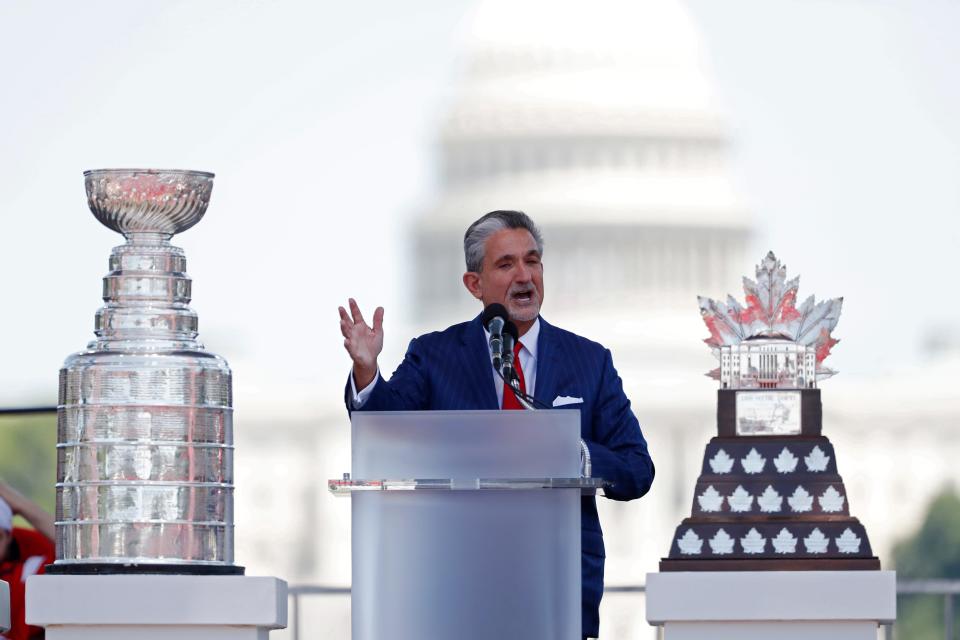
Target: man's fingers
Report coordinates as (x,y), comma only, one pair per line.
(378,320)
(346,324)
(355,310)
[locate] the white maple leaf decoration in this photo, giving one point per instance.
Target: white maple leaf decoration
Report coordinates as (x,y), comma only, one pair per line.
(710,500)
(753,462)
(721,543)
(817,461)
(690,544)
(740,500)
(771,311)
(753,542)
(721,462)
(831,501)
(786,462)
(770,501)
(848,542)
(816,542)
(785,542)
(801,500)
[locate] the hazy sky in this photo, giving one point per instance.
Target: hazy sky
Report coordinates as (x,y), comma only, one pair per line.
(845,118)
(318,119)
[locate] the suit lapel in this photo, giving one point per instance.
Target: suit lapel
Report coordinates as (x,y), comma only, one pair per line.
(548,364)
(475,355)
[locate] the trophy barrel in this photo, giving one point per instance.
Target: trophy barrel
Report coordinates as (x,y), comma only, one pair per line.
(145,460)
(145,418)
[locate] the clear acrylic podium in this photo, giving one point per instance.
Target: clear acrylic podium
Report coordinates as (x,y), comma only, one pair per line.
(466,524)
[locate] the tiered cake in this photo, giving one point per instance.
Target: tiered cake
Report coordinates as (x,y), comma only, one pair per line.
(769,496)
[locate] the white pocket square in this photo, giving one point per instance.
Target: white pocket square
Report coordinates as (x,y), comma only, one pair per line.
(560,401)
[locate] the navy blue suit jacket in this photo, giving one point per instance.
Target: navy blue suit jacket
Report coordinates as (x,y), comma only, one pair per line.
(450,370)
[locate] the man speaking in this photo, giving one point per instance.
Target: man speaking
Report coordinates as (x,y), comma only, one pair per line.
(453,370)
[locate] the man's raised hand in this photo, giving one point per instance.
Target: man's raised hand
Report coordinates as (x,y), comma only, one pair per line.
(362,342)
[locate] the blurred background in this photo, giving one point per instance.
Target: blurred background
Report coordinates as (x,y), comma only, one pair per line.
(664,146)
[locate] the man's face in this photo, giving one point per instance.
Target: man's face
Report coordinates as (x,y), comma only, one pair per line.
(512,275)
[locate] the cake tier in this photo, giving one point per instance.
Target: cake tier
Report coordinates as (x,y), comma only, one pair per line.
(811,538)
(794,457)
(743,498)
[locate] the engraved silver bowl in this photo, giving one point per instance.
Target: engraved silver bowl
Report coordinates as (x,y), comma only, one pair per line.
(164,201)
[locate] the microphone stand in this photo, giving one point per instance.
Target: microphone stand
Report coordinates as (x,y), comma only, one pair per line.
(522,398)
(526,401)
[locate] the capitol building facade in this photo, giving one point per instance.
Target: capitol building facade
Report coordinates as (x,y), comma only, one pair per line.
(606,133)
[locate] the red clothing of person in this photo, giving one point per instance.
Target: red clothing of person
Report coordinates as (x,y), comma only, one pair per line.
(28,554)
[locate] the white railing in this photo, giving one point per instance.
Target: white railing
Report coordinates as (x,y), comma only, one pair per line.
(947,589)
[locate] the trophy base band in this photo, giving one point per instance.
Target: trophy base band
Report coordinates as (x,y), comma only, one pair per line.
(794,564)
(107,568)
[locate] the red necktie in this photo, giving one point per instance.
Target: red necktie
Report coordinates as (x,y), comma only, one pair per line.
(509,400)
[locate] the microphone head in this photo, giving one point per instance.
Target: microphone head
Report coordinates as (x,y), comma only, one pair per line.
(510,338)
(495,310)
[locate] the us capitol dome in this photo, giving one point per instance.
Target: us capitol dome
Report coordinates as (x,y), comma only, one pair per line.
(598,121)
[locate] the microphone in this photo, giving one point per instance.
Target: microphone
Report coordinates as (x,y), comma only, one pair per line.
(495,316)
(510,337)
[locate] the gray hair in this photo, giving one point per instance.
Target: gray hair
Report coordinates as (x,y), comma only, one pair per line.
(475,239)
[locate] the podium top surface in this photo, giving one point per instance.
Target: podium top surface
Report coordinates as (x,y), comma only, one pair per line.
(466,445)
(347,487)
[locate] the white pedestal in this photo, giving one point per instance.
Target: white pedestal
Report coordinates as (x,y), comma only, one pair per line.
(156,607)
(4,606)
(787,605)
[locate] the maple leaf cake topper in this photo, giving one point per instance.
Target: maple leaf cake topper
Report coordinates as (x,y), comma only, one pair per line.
(771,315)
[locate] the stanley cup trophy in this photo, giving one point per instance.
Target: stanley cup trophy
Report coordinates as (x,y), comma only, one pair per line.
(145,425)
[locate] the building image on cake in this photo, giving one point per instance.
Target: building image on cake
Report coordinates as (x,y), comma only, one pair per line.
(768,362)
